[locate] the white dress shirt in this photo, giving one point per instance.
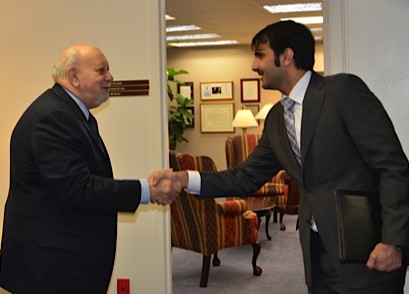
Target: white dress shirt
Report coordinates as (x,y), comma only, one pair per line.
(297,94)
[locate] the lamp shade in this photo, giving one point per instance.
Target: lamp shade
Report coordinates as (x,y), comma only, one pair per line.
(262,114)
(244,119)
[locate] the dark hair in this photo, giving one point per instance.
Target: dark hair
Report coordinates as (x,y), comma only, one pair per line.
(288,34)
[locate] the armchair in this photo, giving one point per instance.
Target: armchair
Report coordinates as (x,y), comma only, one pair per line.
(237,149)
(207,226)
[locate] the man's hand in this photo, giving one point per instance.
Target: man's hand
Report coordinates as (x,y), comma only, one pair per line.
(181,177)
(385,258)
(164,186)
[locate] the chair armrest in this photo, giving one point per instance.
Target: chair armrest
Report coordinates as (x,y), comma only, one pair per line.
(270,189)
(251,216)
(281,177)
(251,221)
(231,207)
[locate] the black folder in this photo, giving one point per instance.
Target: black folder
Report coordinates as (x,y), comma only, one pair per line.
(359,224)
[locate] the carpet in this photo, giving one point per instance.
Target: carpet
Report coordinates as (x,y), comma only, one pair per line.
(280,260)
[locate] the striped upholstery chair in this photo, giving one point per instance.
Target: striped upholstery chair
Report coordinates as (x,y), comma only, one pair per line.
(237,149)
(207,226)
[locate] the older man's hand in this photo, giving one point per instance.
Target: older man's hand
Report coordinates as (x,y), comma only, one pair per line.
(164,186)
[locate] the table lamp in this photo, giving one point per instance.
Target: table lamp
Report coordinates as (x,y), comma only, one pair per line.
(244,119)
(262,114)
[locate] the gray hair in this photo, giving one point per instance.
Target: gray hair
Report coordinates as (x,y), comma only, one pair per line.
(67,59)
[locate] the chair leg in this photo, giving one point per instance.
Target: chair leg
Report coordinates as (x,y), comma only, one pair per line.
(205,271)
(259,222)
(281,211)
(275,214)
(282,226)
(256,251)
(216,260)
(268,216)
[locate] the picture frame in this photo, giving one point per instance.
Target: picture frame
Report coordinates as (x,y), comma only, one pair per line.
(250,90)
(216,91)
(216,117)
(192,124)
(255,108)
(186,89)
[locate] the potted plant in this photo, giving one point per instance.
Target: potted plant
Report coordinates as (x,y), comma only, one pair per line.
(179,115)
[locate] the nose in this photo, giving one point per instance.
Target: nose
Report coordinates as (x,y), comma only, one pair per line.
(109,76)
(255,65)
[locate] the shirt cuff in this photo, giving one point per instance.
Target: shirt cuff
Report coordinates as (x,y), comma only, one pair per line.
(194,183)
(145,192)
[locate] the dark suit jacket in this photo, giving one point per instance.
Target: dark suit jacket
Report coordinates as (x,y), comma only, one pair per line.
(347,142)
(60,222)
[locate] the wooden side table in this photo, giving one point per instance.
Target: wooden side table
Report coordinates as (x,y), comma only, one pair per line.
(262,206)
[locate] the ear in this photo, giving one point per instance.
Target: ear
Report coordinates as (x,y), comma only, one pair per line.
(287,57)
(73,76)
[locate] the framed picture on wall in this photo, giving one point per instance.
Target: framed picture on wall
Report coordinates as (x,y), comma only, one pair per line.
(216,117)
(250,90)
(216,91)
(186,89)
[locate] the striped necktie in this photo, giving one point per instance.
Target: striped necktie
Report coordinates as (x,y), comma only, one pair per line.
(288,105)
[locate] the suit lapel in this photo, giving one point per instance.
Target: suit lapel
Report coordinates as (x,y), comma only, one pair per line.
(96,137)
(312,105)
(100,144)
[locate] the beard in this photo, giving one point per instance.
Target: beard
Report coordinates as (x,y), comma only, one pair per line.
(96,101)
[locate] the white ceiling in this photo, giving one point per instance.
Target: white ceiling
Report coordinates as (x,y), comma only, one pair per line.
(232,19)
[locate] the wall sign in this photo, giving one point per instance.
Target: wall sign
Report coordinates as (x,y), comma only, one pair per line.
(129,88)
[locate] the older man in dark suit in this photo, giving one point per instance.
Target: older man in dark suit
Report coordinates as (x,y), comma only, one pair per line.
(60,221)
(328,133)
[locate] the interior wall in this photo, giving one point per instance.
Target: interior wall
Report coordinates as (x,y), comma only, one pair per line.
(33,35)
(373,50)
(220,64)
(384,63)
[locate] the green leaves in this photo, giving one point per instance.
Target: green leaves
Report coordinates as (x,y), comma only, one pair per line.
(171,72)
(179,115)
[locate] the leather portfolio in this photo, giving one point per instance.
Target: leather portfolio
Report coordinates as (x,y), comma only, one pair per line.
(359,224)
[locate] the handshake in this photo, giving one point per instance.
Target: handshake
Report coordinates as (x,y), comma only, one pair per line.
(165,185)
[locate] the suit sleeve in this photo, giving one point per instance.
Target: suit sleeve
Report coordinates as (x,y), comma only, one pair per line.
(75,170)
(244,180)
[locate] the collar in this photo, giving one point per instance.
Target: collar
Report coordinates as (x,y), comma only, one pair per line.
(298,92)
(80,104)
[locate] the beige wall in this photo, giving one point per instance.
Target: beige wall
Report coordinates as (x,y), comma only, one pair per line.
(220,64)
(32,34)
